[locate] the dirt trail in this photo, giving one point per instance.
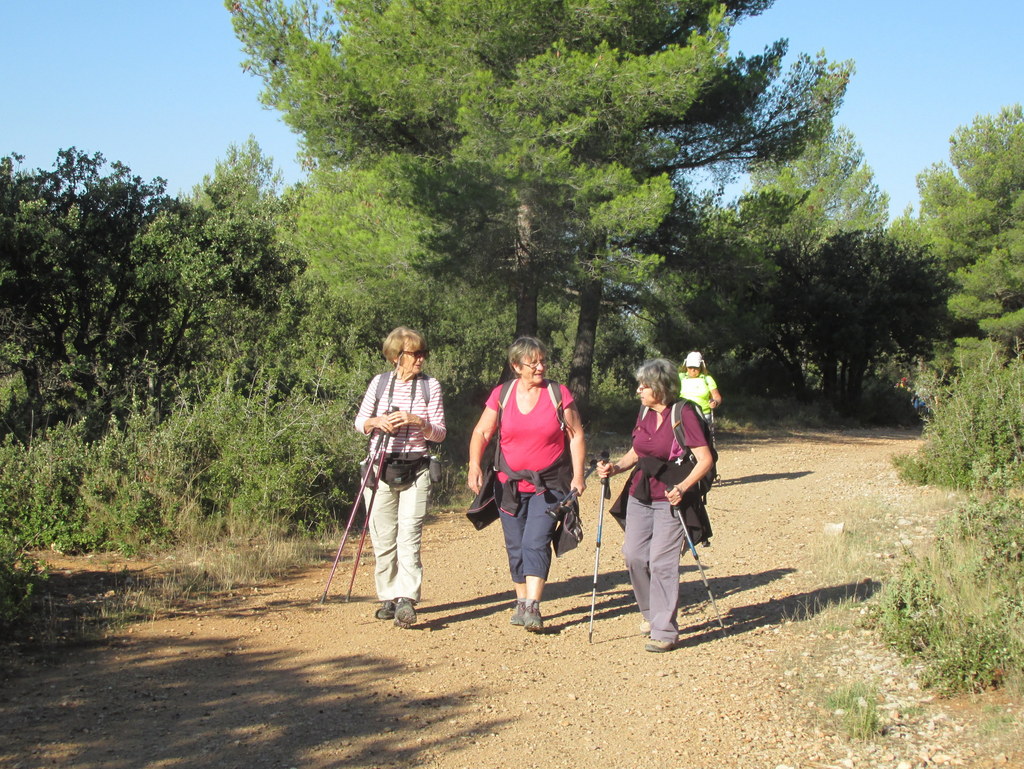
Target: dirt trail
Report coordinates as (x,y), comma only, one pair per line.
(269,678)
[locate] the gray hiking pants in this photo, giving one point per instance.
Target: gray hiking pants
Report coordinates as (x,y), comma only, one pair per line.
(653,540)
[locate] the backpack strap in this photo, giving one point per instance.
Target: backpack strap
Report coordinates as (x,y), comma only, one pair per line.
(680,436)
(389,376)
(382,385)
(677,423)
(554,393)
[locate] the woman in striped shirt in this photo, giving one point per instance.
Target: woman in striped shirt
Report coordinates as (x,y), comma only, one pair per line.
(404,408)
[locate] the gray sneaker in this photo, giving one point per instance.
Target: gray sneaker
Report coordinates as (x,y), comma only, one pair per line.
(532,620)
(386,610)
(659,646)
(517,613)
(405,614)
(645,627)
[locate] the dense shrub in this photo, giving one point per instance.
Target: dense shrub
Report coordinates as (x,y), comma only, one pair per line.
(959,607)
(40,503)
(18,577)
(234,464)
(974,438)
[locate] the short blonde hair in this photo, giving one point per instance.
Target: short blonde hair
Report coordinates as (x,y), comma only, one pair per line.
(397,340)
(525,347)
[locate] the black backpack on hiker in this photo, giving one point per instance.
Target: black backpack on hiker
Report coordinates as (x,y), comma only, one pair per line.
(705,483)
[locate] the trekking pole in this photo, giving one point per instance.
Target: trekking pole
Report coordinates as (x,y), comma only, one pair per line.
(366,520)
(373,470)
(605,494)
(689,541)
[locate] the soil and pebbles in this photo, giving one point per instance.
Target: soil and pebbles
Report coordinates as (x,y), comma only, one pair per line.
(268,677)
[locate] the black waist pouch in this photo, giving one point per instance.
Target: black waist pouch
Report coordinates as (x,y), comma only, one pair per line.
(400,471)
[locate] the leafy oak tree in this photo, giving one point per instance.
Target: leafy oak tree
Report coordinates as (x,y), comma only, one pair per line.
(535,144)
(110,288)
(836,311)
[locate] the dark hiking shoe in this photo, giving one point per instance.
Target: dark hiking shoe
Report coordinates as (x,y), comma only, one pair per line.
(532,620)
(517,613)
(405,614)
(659,646)
(386,610)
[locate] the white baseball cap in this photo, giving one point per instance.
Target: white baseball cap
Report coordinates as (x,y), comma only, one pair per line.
(693,360)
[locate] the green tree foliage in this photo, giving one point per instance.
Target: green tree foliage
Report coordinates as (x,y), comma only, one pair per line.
(801,270)
(831,190)
(110,289)
(973,211)
(535,143)
(77,316)
(835,312)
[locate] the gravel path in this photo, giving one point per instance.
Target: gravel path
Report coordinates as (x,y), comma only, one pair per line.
(267,677)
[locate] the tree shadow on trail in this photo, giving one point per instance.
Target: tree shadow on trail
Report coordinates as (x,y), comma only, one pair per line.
(751,617)
(763,478)
(204,703)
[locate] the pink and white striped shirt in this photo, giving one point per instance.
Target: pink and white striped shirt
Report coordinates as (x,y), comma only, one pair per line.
(407,396)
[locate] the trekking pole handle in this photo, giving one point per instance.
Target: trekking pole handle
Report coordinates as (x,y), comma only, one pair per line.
(605,457)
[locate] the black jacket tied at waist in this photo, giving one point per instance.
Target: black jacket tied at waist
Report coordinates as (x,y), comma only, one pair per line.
(670,473)
(495,496)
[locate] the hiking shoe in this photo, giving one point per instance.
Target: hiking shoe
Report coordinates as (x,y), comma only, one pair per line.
(659,646)
(532,620)
(645,628)
(386,610)
(517,613)
(405,614)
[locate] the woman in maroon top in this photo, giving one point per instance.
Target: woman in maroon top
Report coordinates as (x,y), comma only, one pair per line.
(654,535)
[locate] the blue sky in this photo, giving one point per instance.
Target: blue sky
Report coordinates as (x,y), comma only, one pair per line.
(159,86)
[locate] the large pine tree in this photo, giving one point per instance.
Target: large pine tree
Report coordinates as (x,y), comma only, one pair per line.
(542,140)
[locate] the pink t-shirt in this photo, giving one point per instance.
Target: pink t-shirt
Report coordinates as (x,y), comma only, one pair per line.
(529,441)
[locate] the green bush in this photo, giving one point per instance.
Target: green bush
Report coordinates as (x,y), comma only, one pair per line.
(40,503)
(974,437)
(238,465)
(19,575)
(959,606)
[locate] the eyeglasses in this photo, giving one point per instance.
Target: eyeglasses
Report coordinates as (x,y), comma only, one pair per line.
(536,366)
(417,354)
(643,386)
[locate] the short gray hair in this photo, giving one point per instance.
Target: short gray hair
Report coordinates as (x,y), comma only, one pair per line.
(525,347)
(662,377)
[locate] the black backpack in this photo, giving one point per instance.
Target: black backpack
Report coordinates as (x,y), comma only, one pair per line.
(705,483)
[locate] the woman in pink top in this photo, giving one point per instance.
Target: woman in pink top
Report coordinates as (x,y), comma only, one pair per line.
(540,459)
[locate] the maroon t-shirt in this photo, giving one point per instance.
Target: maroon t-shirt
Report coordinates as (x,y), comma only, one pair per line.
(653,440)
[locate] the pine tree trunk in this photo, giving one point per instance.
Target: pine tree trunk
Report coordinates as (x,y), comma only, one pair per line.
(582,369)
(527,288)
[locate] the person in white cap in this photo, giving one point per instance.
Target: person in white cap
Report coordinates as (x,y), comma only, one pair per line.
(697,385)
